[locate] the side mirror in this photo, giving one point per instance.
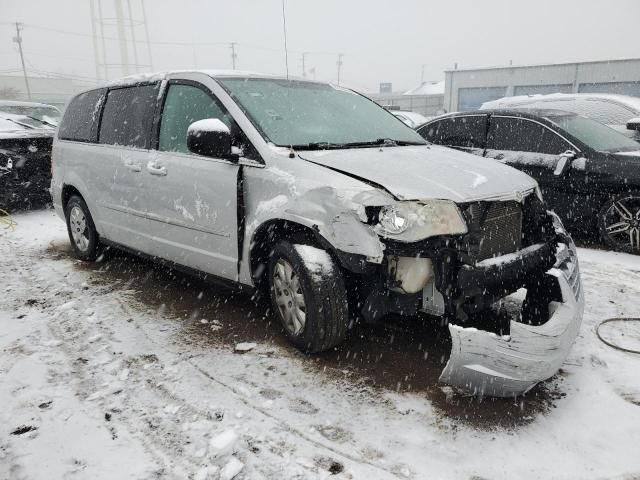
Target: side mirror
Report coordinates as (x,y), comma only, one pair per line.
(634,124)
(564,162)
(211,138)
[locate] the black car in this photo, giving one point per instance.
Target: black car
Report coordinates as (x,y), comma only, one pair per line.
(588,172)
(25,162)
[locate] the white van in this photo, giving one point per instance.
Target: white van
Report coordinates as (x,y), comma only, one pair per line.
(328,203)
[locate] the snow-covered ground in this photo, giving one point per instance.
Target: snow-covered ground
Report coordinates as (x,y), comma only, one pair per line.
(122,369)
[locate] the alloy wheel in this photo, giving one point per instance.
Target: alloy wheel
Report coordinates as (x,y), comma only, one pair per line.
(622,222)
(289,297)
(78,227)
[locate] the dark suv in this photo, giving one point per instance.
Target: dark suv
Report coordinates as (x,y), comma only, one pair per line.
(588,172)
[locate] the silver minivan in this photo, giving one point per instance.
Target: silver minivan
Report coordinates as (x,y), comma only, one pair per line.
(330,205)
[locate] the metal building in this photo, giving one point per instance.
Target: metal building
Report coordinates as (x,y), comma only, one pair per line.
(467,89)
(426,99)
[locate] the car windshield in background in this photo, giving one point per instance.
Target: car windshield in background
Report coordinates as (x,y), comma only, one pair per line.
(316,115)
(46,115)
(596,135)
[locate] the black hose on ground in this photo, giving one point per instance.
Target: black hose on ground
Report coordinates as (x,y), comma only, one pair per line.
(613,345)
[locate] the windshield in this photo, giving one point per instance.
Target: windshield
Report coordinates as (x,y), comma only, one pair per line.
(304,114)
(50,115)
(595,135)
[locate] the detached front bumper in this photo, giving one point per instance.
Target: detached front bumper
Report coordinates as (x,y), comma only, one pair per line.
(485,363)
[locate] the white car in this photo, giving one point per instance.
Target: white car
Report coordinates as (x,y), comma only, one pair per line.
(321,199)
(619,112)
(412,119)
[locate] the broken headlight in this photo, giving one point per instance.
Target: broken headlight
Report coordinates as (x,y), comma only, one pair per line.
(413,221)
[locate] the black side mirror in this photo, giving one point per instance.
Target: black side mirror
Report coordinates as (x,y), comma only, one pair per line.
(564,163)
(210,137)
(634,124)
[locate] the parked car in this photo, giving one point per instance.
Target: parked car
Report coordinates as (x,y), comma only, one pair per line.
(620,112)
(412,119)
(588,172)
(321,199)
(40,111)
(25,163)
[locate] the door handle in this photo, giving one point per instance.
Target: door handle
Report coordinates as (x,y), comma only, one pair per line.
(154,169)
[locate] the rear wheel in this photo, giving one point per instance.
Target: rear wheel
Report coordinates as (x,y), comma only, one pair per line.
(308,296)
(619,223)
(81,229)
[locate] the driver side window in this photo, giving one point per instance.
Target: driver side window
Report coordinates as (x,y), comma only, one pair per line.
(185,104)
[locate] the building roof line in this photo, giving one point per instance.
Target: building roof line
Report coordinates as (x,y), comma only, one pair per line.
(538,65)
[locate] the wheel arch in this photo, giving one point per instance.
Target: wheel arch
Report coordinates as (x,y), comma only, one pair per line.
(267,235)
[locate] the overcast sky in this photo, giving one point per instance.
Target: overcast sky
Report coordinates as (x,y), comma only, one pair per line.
(382,41)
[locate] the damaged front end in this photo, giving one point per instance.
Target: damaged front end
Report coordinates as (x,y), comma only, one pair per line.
(509,290)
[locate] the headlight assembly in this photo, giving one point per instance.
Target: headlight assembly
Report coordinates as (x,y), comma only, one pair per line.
(413,221)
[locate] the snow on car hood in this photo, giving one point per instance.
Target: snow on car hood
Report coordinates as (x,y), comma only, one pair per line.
(422,172)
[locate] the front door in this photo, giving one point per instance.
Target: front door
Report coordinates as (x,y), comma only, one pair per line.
(191,200)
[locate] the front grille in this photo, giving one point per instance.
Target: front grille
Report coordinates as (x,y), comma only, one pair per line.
(568,264)
(500,230)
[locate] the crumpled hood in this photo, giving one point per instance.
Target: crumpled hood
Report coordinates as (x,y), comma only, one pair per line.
(424,172)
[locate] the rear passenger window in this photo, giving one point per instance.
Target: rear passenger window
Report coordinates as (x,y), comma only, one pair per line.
(466,131)
(80,121)
(128,116)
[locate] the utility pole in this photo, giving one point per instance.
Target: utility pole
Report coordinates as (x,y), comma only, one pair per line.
(304,71)
(105,69)
(146,34)
(122,38)
(339,63)
(18,40)
(422,75)
(132,29)
(233,55)
(94,38)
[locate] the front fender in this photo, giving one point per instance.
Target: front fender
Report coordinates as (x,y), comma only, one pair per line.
(335,213)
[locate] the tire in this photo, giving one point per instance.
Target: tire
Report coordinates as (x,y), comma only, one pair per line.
(81,229)
(320,295)
(619,223)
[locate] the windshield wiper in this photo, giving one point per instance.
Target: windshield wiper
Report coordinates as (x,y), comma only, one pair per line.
(39,120)
(380,142)
(319,146)
(26,125)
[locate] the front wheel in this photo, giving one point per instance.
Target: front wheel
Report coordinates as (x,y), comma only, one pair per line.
(81,229)
(619,223)
(308,295)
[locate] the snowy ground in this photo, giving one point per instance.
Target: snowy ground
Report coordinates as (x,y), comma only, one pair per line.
(124,370)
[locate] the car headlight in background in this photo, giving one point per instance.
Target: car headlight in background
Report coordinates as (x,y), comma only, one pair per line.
(413,221)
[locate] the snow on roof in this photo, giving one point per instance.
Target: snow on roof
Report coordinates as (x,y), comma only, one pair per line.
(631,102)
(159,76)
(427,88)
